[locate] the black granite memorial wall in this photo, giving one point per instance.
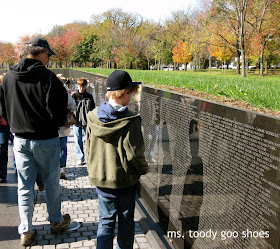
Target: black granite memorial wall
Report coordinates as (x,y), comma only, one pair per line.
(214,179)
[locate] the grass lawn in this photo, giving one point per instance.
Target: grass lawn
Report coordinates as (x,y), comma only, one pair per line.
(261,92)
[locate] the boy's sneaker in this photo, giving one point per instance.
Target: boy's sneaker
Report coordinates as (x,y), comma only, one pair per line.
(58,227)
(27,238)
(41,187)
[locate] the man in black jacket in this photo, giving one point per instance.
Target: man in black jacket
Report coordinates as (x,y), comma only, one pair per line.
(34,103)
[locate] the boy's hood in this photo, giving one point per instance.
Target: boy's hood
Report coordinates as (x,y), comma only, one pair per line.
(107,113)
(106,130)
(26,68)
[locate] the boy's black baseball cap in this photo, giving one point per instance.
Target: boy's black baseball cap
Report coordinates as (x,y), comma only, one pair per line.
(39,42)
(119,80)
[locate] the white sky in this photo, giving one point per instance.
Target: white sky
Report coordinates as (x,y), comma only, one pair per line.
(28,17)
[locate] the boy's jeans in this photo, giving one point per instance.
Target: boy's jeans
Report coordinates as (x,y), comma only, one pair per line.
(32,155)
(63,151)
(109,208)
(78,139)
(4,139)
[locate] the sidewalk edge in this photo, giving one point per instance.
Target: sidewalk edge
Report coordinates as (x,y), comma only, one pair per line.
(152,230)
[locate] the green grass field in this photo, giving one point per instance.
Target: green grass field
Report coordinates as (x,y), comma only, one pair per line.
(261,92)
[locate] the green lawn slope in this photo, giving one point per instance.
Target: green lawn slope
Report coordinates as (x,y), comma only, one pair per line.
(260,92)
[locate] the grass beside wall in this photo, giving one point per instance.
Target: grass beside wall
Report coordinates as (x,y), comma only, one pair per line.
(261,92)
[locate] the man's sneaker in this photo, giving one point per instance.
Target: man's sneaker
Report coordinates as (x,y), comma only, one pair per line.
(62,173)
(27,238)
(58,227)
(81,162)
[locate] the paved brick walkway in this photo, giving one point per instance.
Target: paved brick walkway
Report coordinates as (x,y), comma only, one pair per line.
(79,199)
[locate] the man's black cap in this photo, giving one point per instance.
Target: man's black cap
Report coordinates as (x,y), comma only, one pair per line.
(40,42)
(119,80)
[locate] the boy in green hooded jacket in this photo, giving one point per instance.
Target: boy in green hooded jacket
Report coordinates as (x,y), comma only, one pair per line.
(115,160)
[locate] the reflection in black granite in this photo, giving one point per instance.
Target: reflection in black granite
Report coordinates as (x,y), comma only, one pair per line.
(165,187)
(212,168)
(193,188)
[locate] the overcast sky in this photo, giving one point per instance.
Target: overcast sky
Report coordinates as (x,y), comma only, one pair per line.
(27,17)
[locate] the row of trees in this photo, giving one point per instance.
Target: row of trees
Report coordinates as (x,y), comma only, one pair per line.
(247,30)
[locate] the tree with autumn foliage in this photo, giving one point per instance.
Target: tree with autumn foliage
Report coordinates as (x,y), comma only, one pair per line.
(63,44)
(185,25)
(148,32)
(59,46)
(264,19)
(181,53)
(119,44)
(179,28)
(125,40)
(195,37)
(7,54)
(219,46)
(228,16)
(221,52)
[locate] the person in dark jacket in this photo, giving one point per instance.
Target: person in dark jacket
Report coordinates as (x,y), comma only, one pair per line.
(34,103)
(4,140)
(84,104)
(115,160)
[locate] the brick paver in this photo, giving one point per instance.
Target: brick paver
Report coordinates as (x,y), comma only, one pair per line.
(79,199)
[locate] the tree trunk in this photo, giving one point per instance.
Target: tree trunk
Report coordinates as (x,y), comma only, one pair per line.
(266,65)
(243,63)
(238,61)
(242,35)
(261,64)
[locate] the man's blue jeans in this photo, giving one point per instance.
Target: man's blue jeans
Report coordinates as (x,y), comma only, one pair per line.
(31,156)
(63,151)
(4,139)
(78,139)
(39,179)
(109,208)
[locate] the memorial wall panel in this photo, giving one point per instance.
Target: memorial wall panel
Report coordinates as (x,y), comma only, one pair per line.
(215,173)
(214,179)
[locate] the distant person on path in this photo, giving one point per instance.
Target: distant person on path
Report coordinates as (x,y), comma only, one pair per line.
(4,140)
(115,160)
(64,131)
(85,103)
(65,82)
(34,103)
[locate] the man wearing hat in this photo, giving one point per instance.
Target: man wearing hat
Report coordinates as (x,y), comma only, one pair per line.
(34,103)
